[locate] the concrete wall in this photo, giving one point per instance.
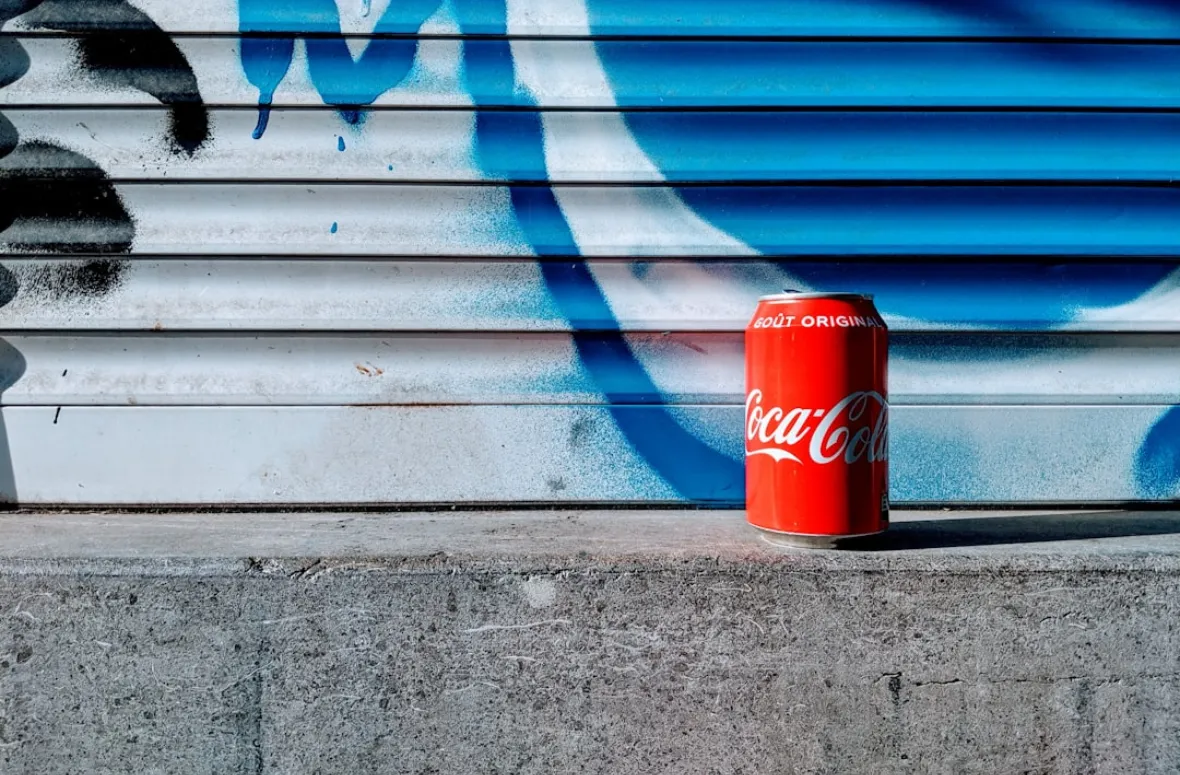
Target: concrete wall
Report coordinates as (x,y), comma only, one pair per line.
(586,642)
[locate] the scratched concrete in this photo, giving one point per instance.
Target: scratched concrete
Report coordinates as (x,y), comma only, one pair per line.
(615,642)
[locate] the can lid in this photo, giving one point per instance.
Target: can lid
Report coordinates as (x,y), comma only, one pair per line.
(792,295)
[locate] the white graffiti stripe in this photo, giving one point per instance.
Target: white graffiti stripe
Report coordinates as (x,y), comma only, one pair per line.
(637,219)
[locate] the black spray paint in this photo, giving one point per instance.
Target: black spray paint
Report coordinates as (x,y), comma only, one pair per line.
(78,212)
(122,46)
(53,200)
(68,279)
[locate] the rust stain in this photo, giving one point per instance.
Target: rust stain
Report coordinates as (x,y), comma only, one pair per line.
(369,370)
(158,326)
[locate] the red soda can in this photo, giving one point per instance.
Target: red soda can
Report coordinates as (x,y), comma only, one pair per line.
(817,418)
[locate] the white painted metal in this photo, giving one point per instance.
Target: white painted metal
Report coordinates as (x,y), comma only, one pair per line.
(298,145)
(253,219)
(275,294)
(407,369)
(252,455)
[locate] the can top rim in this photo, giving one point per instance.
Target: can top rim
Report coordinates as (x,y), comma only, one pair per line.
(800,295)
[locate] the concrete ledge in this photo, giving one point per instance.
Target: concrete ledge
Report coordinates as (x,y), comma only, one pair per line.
(620,642)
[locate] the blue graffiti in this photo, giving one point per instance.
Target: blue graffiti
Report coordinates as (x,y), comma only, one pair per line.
(691,467)
(734,146)
(268,45)
(1029,295)
(509,146)
(1157,465)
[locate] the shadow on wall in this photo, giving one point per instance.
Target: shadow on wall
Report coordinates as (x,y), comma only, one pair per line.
(1040,528)
(12,367)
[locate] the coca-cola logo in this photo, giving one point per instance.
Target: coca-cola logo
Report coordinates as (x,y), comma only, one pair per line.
(848,431)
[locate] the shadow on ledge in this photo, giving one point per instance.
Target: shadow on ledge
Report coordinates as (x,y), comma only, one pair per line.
(1035,528)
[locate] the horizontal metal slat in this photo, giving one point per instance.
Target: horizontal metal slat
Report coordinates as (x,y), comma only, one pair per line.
(626,74)
(347,294)
(406,369)
(1047,18)
(364,455)
(437,220)
(677,146)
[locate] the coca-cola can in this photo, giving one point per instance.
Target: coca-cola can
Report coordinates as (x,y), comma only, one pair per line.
(817,419)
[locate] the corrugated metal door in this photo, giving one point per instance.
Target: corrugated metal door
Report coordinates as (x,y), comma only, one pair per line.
(467,250)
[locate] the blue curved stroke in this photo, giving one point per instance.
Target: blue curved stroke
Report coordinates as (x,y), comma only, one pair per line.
(692,468)
(695,470)
(507,144)
(964,220)
(1157,464)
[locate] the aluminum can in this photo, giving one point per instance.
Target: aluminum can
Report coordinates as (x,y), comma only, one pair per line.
(817,418)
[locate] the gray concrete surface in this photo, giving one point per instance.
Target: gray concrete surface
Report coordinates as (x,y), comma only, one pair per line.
(613,642)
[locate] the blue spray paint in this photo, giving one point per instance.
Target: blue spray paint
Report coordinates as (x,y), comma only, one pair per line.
(853,18)
(509,145)
(1093,220)
(1020,294)
(691,467)
(1157,465)
(265,62)
(334,227)
(339,143)
(735,146)
(354,117)
(269,32)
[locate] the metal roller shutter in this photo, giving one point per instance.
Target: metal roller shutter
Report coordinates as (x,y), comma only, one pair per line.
(366,252)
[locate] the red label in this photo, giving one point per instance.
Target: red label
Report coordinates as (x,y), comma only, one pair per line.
(817,418)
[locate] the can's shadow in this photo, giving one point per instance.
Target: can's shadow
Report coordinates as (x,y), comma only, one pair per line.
(951,532)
